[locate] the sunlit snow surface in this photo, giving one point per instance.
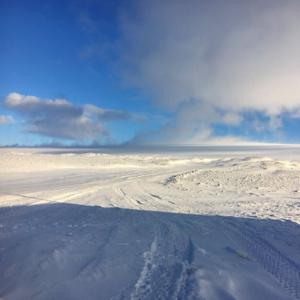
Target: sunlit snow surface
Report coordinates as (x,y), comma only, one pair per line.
(147,224)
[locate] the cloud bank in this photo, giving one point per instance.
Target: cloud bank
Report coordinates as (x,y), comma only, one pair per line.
(59,118)
(231,56)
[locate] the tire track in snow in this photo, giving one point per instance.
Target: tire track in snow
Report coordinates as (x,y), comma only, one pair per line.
(285,270)
(167,265)
(92,267)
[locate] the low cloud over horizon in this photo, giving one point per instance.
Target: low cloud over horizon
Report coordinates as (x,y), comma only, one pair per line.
(59,118)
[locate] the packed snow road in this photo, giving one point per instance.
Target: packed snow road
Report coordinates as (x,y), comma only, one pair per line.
(91,226)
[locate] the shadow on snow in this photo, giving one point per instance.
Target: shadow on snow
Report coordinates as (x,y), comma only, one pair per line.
(70,251)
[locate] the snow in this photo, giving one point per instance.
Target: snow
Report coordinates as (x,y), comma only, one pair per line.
(80,225)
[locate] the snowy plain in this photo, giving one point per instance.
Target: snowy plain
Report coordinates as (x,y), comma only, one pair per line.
(201,224)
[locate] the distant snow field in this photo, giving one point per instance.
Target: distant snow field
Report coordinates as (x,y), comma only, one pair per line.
(80,225)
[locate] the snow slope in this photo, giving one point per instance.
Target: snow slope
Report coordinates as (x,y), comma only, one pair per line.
(124,226)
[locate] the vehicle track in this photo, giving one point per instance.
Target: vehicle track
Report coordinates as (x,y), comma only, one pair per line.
(284,269)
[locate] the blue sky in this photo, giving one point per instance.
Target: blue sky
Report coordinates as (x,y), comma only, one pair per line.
(110,72)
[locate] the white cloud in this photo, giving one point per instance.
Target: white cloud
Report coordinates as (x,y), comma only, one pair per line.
(5,119)
(232,118)
(192,123)
(59,118)
(295,113)
(271,124)
(233,54)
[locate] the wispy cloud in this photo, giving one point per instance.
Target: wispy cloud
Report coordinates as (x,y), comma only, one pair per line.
(191,123)
(6,119)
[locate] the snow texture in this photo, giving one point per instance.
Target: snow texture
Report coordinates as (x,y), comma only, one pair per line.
(79,225)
